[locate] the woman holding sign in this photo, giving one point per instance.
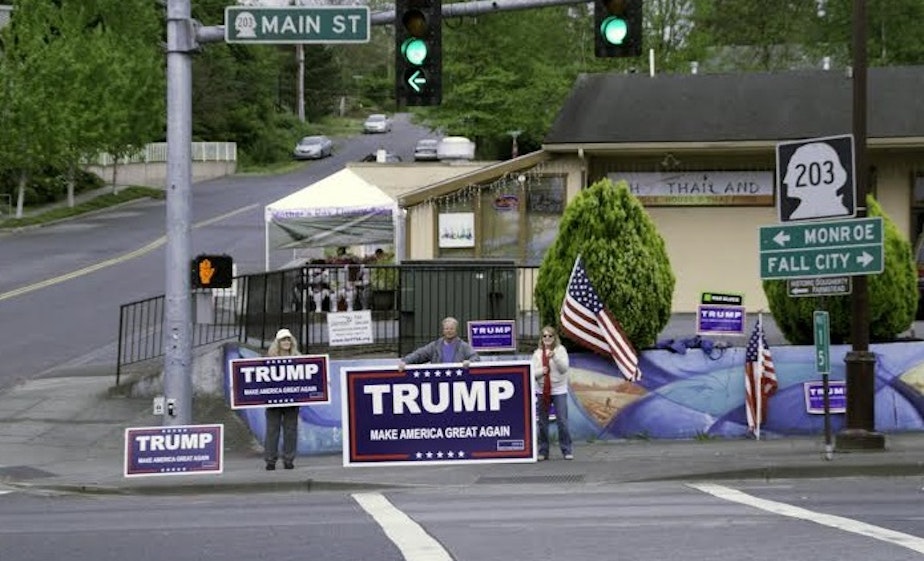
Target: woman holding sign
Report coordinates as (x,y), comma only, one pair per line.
(285,418)
(550,369)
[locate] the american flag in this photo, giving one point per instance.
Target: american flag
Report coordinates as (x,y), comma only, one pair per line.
(586,320)
(759,373)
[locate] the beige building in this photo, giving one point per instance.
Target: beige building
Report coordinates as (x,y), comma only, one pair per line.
(699,151)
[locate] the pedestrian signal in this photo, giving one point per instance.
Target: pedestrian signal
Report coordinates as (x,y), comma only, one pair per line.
(212,271)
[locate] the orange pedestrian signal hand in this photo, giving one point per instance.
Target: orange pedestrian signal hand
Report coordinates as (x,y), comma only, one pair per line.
(206,271)
(212,271)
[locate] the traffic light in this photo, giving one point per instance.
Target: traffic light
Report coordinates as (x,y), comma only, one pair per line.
(212,271)
(617,28)
(418,52)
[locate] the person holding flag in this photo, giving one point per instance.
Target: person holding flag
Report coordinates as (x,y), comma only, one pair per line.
(550,369)
(587,322)
(759,380)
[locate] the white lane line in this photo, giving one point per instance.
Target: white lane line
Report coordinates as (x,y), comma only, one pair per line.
(114,261)
(913,543)
(413,541)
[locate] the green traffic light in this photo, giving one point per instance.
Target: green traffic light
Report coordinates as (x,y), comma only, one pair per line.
(614,30)
(414,51)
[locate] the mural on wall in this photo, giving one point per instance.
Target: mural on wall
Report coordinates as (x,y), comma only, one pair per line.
(680,396)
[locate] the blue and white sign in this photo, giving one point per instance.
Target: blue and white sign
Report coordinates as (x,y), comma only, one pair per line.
(280,381)
(493,335)
(179,450)
(815,397)
(720,320)
(438,414)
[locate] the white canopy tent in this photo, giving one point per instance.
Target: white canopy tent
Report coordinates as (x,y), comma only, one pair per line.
(340,210)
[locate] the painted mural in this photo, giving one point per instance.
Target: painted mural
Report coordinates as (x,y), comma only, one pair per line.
(682,395)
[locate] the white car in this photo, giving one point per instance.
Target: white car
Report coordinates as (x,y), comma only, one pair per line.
(377,123)
(313,148)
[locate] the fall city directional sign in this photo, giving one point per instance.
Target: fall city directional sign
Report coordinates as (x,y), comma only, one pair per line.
(821,249)
(315,24)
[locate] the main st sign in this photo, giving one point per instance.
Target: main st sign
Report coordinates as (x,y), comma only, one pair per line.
(315,24)
(821,249)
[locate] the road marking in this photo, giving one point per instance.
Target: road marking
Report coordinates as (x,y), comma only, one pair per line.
(913,543)
(114,261)
(413,541)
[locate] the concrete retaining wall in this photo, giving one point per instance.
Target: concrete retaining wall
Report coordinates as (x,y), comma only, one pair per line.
(154,174)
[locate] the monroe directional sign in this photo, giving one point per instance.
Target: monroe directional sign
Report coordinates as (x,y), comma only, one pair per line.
(316,24)
(821,249)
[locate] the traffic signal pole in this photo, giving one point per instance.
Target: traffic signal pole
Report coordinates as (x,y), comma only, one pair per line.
(860,420)
(181,42)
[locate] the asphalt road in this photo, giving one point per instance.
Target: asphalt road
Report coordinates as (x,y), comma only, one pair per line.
(848,520)
(61,286)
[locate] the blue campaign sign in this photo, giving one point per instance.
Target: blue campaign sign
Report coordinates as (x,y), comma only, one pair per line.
(280,381)
(815,396)
(438,414)
(179,450)
(493,335)
(713,319)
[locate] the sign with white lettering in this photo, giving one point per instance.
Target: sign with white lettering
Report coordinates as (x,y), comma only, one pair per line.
(493,335)
(719,298)
(816,178)
(349,328)
(815,396)
(701,188)
(176,450)
(714,319)
(825,286)
(438,414)
(821,249)
(279,381)
(301,24)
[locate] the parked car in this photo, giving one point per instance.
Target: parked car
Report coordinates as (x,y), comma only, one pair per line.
(313,148)
(426,150)
(377,123)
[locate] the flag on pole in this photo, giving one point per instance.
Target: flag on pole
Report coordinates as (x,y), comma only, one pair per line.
(586,320)
(759,374)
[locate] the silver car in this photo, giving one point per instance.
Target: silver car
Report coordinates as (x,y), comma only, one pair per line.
(376,123)
(313,148)
(426,150)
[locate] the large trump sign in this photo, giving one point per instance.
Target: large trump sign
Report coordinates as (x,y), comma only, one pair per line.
(438,414)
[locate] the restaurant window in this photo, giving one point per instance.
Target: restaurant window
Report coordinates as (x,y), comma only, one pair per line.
(519,218)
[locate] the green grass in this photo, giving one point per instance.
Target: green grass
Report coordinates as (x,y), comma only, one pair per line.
(97,203)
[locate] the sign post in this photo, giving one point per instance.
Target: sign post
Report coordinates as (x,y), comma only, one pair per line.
(823,366)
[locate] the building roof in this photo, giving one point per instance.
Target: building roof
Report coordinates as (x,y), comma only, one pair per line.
(616,108)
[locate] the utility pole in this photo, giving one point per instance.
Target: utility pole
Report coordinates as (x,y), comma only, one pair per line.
(181,42)
(860,423)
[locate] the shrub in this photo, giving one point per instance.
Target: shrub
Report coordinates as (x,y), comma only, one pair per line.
(624,256)
(893,296)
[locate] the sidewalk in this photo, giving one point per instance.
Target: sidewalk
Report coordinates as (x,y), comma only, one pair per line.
(66,433)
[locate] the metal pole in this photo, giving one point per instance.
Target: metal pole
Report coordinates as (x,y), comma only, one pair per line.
(178,312)
(300,88)
(860,421)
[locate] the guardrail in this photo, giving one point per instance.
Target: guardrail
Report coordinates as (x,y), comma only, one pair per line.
(406,305)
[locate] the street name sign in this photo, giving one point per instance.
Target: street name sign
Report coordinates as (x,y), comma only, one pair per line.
(825,286)
(815,178)
(315,24)
(821,249)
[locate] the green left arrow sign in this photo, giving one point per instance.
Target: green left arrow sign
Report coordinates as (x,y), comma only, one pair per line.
(417,80)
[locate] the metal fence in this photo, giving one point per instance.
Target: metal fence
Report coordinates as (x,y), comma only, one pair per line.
(406,303)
